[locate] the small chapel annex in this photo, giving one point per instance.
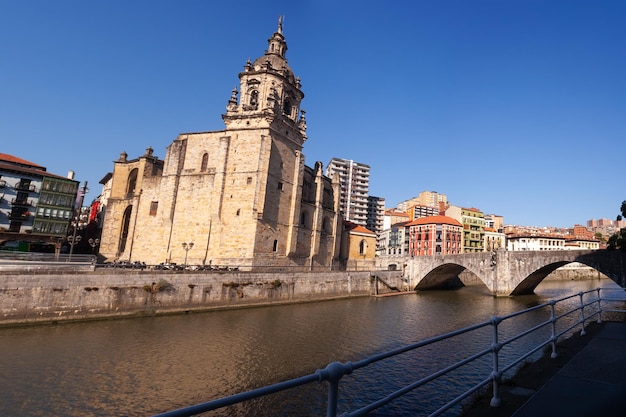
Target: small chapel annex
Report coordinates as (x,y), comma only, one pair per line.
(243,195)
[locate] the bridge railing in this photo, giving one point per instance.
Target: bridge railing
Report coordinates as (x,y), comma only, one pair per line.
(579,309)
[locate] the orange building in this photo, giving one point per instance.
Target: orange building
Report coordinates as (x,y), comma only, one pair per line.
(435,235)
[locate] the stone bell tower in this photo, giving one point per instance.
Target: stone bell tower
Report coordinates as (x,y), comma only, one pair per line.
(269,94)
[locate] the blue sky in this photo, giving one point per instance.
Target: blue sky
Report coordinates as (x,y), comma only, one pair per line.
(515,107)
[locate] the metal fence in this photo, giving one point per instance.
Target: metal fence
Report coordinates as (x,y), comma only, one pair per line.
(587,306)
(12,260)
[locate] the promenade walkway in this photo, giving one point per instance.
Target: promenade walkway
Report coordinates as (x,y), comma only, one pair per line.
(587,379)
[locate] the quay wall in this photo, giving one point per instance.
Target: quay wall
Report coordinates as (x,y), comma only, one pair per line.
(39,297)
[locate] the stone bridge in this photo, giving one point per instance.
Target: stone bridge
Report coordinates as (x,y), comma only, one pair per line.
(509,272)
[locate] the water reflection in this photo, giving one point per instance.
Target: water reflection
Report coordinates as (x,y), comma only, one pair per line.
(144,366)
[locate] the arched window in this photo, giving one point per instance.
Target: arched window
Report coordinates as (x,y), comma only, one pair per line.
(362,247)
(254,98)
(205,162)
(124,230)
(303,219)
(325,228)
(132,183)
(287,107)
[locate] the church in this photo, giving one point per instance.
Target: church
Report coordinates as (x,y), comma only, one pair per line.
(241,196)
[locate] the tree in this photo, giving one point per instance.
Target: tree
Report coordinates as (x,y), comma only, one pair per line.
(618,240)
(600,237)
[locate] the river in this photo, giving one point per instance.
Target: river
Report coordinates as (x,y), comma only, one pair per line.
(144,366)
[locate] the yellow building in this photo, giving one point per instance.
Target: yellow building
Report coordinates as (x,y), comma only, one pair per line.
(243,196)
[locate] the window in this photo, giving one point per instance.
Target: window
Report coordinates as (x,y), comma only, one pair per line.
(254,98)
(303,219)
(154,205)
(249,180)
(275,246)
(287,107)
(280,185)
(132,182)
(362,247)
(205,161)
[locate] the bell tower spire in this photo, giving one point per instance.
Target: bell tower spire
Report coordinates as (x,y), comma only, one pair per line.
(269,93)
(277,44)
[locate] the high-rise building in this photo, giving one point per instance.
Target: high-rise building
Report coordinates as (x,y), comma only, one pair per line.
(375,214)
(356,204)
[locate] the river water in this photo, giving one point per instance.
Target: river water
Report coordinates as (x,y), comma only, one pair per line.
(144,366)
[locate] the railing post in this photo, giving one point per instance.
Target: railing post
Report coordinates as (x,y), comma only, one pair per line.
(333,373)
(599,305)
(553,355)
(582,314)
(495,373)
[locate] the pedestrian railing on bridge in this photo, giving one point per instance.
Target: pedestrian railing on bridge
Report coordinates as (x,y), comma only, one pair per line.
(560,317)
(31,261)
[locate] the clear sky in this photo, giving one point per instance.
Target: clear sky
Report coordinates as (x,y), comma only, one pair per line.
(515,107)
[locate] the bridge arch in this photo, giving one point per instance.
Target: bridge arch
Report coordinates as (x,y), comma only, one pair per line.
(445,276)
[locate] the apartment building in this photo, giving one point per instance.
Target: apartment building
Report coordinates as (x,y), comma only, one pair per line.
(34,203)
(425,198)
(375,214)
(473,221)
(356,204)
(435,235)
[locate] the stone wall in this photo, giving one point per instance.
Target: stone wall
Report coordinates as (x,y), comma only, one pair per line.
(29,298)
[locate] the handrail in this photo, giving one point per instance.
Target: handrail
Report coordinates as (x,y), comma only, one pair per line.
(16,257)
(589,305)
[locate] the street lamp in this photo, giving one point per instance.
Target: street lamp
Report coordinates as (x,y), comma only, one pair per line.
(187,247)
(73,240)
(93,243)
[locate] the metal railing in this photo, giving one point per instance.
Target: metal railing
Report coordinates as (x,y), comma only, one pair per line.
(588,305)
(15,260)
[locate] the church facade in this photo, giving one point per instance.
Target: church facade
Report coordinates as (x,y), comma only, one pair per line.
(242,196)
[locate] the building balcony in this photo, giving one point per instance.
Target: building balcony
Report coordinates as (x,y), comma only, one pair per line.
(22,202)
(25,187)
(23,217)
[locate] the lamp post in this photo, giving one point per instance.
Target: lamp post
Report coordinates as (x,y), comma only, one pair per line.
(75,239)
(93,243)
(187,247)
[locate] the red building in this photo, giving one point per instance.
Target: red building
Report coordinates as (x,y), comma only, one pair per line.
(435,235)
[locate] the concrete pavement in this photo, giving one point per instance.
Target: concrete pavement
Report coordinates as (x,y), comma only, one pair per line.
(592,383)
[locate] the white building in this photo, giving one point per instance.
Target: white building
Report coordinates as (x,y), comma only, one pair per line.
(355,202)
(534,242)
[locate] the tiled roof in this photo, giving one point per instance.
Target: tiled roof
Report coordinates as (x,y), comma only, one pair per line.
(5,157)
(435,220)
(356,228)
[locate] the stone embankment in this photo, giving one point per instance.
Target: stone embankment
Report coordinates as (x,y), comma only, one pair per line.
(39,297)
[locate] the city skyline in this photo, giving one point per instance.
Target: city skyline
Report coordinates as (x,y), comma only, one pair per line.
(515,109)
